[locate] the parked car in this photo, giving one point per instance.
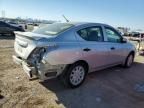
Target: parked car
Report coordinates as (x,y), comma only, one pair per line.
(71,50)
(136,36)
(6,28)
(127,34)
(15,24)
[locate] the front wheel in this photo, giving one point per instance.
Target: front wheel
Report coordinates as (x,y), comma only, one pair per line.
(129,60)
(75,75)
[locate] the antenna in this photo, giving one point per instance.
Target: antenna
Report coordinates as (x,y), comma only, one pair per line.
(65,18)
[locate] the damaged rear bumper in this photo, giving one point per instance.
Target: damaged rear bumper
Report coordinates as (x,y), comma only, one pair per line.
(43,71)
(30,71)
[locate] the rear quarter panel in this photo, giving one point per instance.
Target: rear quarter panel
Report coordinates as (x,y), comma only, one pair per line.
(67,49)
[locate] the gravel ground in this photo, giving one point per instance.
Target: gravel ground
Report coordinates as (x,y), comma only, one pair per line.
(110,88)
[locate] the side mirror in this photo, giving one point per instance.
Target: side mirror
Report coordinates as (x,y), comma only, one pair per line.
(124,40)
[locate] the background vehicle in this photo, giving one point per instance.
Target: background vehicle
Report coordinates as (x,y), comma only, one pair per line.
(6,28)
(15,24)
(71,50)
(136,36)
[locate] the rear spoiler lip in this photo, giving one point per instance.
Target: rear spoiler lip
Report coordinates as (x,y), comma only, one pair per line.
(20,34)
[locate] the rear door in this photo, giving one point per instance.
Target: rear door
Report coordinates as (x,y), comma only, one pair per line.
(93,47)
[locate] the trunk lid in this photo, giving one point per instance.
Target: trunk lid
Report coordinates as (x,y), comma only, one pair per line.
(26,42)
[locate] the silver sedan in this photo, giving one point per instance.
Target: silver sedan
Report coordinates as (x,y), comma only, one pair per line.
(71,50)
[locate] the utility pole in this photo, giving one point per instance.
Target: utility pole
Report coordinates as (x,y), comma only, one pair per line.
(3,13)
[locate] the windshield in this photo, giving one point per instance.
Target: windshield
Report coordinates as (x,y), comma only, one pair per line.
(53,29)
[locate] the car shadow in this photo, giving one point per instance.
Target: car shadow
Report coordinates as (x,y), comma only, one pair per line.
(1,97)
(96,90)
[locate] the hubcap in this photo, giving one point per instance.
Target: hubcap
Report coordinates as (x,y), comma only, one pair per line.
(77,75)
(130,60)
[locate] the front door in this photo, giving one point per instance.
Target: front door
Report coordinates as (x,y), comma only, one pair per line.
(114,43)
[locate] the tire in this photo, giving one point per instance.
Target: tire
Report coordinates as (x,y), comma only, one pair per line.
(129,60)
(74,75)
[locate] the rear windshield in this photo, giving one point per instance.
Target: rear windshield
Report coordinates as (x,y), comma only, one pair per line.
(53,29)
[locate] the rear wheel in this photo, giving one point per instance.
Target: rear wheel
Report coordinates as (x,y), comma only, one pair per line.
(75,75)
(129,60)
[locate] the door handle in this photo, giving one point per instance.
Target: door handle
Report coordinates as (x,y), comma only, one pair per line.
(86,49)
(112,48)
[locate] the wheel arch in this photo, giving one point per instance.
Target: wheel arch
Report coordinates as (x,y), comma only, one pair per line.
(132,52)
(80,61)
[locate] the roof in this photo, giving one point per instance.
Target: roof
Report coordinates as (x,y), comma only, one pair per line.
(83,23)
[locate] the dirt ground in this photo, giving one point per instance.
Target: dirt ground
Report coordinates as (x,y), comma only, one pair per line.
(110,88)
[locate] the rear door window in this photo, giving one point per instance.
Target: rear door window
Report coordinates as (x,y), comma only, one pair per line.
(91,34)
